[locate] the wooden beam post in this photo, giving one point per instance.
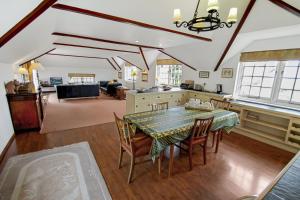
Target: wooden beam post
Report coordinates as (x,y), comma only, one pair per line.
(178,60)
(98,48)
(111,64)
(75,56)
(124,20)
(237,30)
(40,9)
(130,62)
(287,7)
(38,56)
(103,40)
(116,62)
(141,51)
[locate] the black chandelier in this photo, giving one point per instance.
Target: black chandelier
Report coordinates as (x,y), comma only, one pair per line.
(208,23)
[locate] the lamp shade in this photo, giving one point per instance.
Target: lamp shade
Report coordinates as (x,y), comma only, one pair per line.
(212,5)
(177,15)
(22,71)
(232,17)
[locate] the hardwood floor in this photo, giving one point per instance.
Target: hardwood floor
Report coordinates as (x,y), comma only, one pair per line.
(242,166)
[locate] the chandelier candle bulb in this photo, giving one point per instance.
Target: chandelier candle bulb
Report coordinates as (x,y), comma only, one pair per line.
(232,17)
(212,5)
(177,15)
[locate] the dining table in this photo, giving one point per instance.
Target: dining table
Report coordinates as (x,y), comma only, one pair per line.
(170,126)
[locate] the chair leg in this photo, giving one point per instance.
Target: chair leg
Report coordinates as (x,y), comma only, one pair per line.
(191,157)
(204,153)
(131,168)
(120,157)
(213,141)
(218,141)
(160,159)
(221,133)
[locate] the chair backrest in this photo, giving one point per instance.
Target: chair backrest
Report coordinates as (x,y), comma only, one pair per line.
(201,127)
(160,106)
(222,104)
(125,131)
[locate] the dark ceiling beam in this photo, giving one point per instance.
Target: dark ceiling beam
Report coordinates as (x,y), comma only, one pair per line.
(116,63)
(129,62)
(287,7)
(98,48)
(178,60)
(37,56)
(111,64)
(236,32)
(41,8)
(124,20)
(76,56)
(141,51)
(103,40)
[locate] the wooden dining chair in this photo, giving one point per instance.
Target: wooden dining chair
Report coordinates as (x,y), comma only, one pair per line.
(160,106)
(199,136)
(221,104)
(136,145)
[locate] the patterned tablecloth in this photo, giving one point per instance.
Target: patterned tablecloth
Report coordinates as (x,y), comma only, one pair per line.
(173,125)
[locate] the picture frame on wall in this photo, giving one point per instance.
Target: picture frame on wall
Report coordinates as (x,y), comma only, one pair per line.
(203,74)
(119,75)
(227,73)
(144,77)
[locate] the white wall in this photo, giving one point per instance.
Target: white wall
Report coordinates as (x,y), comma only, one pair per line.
(59,66)
(6,127)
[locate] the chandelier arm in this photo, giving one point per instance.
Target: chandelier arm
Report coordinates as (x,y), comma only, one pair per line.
(184,24)
(196,11)
(228,25)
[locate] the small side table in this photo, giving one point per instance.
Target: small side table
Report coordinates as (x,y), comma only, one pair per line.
(121,92)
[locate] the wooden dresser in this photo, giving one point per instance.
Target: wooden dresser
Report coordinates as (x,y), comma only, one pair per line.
(25,110)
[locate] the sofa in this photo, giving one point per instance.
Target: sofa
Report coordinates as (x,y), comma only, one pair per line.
(109,88)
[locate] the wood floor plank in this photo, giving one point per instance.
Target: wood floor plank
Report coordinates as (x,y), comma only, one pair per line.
(242,166)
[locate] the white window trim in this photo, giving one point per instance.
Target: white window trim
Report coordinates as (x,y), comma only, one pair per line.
(273,100)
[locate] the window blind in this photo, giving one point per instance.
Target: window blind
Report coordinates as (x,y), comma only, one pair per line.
(278,55)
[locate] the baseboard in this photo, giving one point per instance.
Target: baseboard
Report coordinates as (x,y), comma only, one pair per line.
(6,147)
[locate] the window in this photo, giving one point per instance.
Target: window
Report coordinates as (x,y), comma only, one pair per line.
(129,70)
(81,78)
(169,74)
(276,82)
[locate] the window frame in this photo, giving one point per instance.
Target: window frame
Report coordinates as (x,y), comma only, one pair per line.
(126,73)
(170,69)
(275,89)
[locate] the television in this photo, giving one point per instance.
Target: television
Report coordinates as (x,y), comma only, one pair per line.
(56,81)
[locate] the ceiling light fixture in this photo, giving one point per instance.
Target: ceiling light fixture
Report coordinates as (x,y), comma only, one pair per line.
(208,23)
(137,41)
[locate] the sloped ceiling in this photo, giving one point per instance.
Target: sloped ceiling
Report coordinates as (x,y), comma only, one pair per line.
(36,38)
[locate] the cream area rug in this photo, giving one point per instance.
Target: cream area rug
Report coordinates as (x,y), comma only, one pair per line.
(63,173)
(77,113)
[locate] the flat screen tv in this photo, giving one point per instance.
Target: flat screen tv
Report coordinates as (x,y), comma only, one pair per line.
(56,80)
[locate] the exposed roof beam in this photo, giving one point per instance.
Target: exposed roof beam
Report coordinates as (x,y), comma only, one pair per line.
(111,63)
(178,60)
(124,20)
(76,56)
(141,51)
(37,56)
(116,63)
(236,32)
(103,40)
(98,48)
(287,7)
(42,7)
(130,62)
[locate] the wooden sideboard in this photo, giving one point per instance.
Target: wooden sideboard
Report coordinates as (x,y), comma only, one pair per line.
(25,110)
(140,102)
